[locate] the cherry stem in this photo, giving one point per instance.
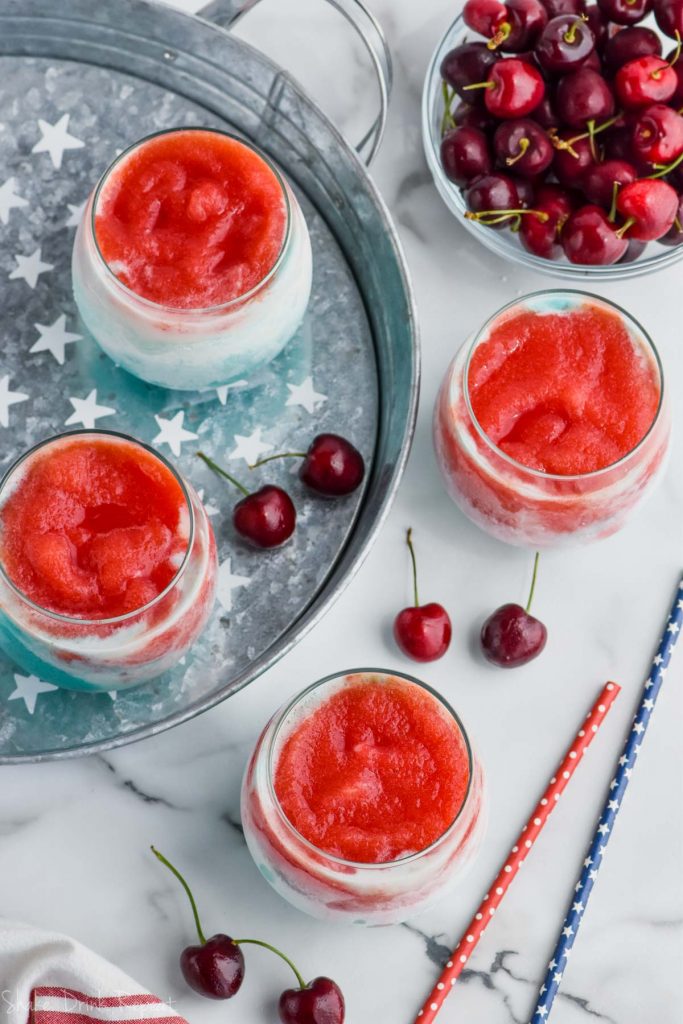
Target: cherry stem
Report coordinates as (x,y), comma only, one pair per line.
(567,144)
(499,37)
(273,949)
(612,215)
(280,455)
(491,217)
(591,138)
(479,85)
(447,119)
(657,73)
(570,34)
(409,542)
(167,863)
(624,227)
(533,582)
(664,169)
(221,472)
(524,144)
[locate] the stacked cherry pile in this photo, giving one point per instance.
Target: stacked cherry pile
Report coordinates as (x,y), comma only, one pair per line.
(566,126)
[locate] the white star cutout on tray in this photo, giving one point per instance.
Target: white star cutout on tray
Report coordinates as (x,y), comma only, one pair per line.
(9,200)
(304,395)
(8,398)
(54,338)
(173,433)
(55,139)
(210,509)
(29,268)
(28,688)
(75,214)
(226,582)
(250,448)
(222,391)
(86,411)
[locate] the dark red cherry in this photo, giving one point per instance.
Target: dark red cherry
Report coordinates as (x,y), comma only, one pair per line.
(467,116)
(590,238)
(629,44)
(634,251)
(564,44)
(484,16)
(571,163)
(511,636)
(542,237)
(490,197)
(625,12)
(649,206)
(266,518)
(526,19)
(468,63)
(214,969)
(583,96)
(545,113)
(645,80)
(524,145)
(676,61)
(513,88)
(422,631)
(332,466)
(525,191)
(465,155)
(599,180)
(669,16)
(320,1002)
(658,135)
(598,24)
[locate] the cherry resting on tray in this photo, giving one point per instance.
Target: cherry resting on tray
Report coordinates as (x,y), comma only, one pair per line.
(215,969)
(510,636)
(332,466)
(422,631)
(266,518)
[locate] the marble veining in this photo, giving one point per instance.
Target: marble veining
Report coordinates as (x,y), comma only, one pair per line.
(74,837)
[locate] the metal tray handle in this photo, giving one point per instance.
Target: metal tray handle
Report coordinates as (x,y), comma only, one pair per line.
(226,13)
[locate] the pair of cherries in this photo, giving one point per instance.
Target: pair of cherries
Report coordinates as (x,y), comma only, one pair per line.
(510,637)
(215,968)
(266,518)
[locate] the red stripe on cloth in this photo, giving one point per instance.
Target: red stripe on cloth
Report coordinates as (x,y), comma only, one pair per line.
(143,999)
(66,1017)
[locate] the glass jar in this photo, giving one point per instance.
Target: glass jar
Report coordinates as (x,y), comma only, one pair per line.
(193,348)
(103,654)
(327,886)
(525,506)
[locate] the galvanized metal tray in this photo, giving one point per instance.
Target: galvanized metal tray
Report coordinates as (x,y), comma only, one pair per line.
(79,81)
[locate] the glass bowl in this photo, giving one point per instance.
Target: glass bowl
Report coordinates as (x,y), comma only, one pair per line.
(505,243)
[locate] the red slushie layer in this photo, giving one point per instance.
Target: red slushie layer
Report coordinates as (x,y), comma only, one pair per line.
(191,219)
(374,773)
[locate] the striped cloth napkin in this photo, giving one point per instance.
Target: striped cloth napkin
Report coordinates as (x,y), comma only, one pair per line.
(46,978)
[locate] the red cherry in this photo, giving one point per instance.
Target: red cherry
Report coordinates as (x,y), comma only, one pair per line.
(511,636)
(465,155)
(524,145)
(513,88)
(669,15)
(658,135)
(625,12)
(541,237)
(319,1002)
(545,113)
(557,7)
(644,81)
(494,194)
(214,969)
(465,64)
(332,466)
(674,235)
(484,16)
(597,23)
(422,631)
(649,206)
(512,27)
(266,518)
(565,43)
(572,162)
(676,62)
(583,96)
(629,44)
(590,237)
(599,180)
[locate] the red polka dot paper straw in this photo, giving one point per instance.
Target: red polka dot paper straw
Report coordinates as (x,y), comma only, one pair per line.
(517,855)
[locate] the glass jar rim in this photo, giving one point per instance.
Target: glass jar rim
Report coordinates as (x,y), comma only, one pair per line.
(193,310)
(283,715)
(126,616)
(540,474)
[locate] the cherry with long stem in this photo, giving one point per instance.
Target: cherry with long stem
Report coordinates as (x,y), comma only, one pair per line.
(331,467)
(511,636)
(423,632)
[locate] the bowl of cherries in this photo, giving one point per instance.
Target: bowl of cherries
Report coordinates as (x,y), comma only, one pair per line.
(554,132)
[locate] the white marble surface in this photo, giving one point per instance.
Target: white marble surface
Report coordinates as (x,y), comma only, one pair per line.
(74,848)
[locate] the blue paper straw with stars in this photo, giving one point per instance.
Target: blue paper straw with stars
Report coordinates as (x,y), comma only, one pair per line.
(591,864)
